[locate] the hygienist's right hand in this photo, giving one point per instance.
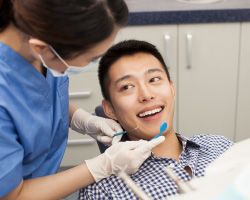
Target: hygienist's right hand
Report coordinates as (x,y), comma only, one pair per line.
(127,156)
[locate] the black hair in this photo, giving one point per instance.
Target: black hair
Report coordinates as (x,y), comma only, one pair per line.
(5,13)
(128,47)
(70,26)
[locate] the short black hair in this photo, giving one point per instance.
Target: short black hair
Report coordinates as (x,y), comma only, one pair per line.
(124,48)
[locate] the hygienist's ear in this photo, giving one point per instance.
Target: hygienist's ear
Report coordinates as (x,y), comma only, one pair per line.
(37,46)
(108,109)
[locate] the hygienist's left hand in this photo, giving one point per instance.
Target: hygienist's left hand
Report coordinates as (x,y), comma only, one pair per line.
(99,128)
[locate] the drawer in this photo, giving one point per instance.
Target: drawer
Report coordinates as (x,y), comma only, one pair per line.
(84,91)
(80,147)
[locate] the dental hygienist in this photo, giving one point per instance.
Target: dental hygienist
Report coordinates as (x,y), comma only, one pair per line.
(41,42)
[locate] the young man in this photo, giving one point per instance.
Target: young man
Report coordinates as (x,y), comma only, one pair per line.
(140,95)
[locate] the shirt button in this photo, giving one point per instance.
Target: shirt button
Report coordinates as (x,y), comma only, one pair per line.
(172,165)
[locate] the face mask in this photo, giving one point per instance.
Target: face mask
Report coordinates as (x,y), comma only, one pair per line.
(71,70)
(53,72)
(77,70)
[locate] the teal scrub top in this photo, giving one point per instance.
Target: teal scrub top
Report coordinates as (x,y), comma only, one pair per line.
(33,120)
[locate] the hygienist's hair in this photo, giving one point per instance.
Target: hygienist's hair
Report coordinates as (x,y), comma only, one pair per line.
(124,48)
(70,26)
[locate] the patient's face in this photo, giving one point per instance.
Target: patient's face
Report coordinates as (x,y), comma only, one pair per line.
(141,95)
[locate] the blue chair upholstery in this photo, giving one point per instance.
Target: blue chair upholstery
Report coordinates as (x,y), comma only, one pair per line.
(99,112)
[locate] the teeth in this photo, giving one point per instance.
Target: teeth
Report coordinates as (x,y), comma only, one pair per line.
(150,112)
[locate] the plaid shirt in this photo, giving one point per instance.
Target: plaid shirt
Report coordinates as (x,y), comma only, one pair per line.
(198,152)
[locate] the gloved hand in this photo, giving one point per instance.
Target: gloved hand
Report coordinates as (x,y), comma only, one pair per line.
(99,128)
(127,156)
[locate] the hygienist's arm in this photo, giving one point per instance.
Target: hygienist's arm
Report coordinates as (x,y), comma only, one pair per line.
(52,187)
(72,109)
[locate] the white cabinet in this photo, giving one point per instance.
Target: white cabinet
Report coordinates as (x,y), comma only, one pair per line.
(203,61)
(207,78)
(85,90)
(243,110)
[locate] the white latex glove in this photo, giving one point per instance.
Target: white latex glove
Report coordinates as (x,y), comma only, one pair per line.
(99,128)
(127,156)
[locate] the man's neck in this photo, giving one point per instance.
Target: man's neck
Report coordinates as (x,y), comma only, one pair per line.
(170,148)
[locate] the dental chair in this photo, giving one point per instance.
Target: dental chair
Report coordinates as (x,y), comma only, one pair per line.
(99,112)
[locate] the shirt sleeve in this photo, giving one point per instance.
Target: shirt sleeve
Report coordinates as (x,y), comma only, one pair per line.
(11,155)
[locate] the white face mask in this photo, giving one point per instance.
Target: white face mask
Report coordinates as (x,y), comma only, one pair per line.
(71,70)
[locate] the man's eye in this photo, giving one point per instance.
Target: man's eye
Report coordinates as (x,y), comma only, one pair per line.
(155,79)
(126,87)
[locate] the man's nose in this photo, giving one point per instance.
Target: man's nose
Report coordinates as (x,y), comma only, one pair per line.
(145,94)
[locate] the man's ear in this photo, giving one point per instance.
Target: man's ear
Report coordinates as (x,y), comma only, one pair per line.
(108,109)
(172,89)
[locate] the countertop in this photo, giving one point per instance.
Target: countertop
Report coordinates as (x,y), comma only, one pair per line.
(149,12)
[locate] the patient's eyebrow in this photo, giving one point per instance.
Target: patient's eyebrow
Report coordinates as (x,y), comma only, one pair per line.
(122,79)
(154,70)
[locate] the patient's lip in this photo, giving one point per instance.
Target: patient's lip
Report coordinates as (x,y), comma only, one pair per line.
(150,108)
(152,117)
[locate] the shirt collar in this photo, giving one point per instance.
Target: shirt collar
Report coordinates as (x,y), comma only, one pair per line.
(186,142)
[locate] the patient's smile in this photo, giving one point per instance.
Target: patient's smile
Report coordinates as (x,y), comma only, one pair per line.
(151,113)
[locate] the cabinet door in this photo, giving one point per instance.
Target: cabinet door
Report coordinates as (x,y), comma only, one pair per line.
(164,37)
(243,110)
(208,67)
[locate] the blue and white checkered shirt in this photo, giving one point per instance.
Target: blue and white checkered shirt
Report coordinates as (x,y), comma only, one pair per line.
(198,152)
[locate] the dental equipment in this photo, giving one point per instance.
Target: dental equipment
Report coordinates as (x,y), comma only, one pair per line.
(163,127)
(124,132)
(120,133)
(131,184)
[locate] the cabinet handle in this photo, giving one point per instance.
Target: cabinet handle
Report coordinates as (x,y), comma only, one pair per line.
(189,38)
(79,94)
(80,141)
(167,39)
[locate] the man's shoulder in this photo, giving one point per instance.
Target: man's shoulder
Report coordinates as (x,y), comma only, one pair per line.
(212,142)
(210,138)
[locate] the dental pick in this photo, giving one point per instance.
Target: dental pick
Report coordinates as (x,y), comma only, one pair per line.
(163,127)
